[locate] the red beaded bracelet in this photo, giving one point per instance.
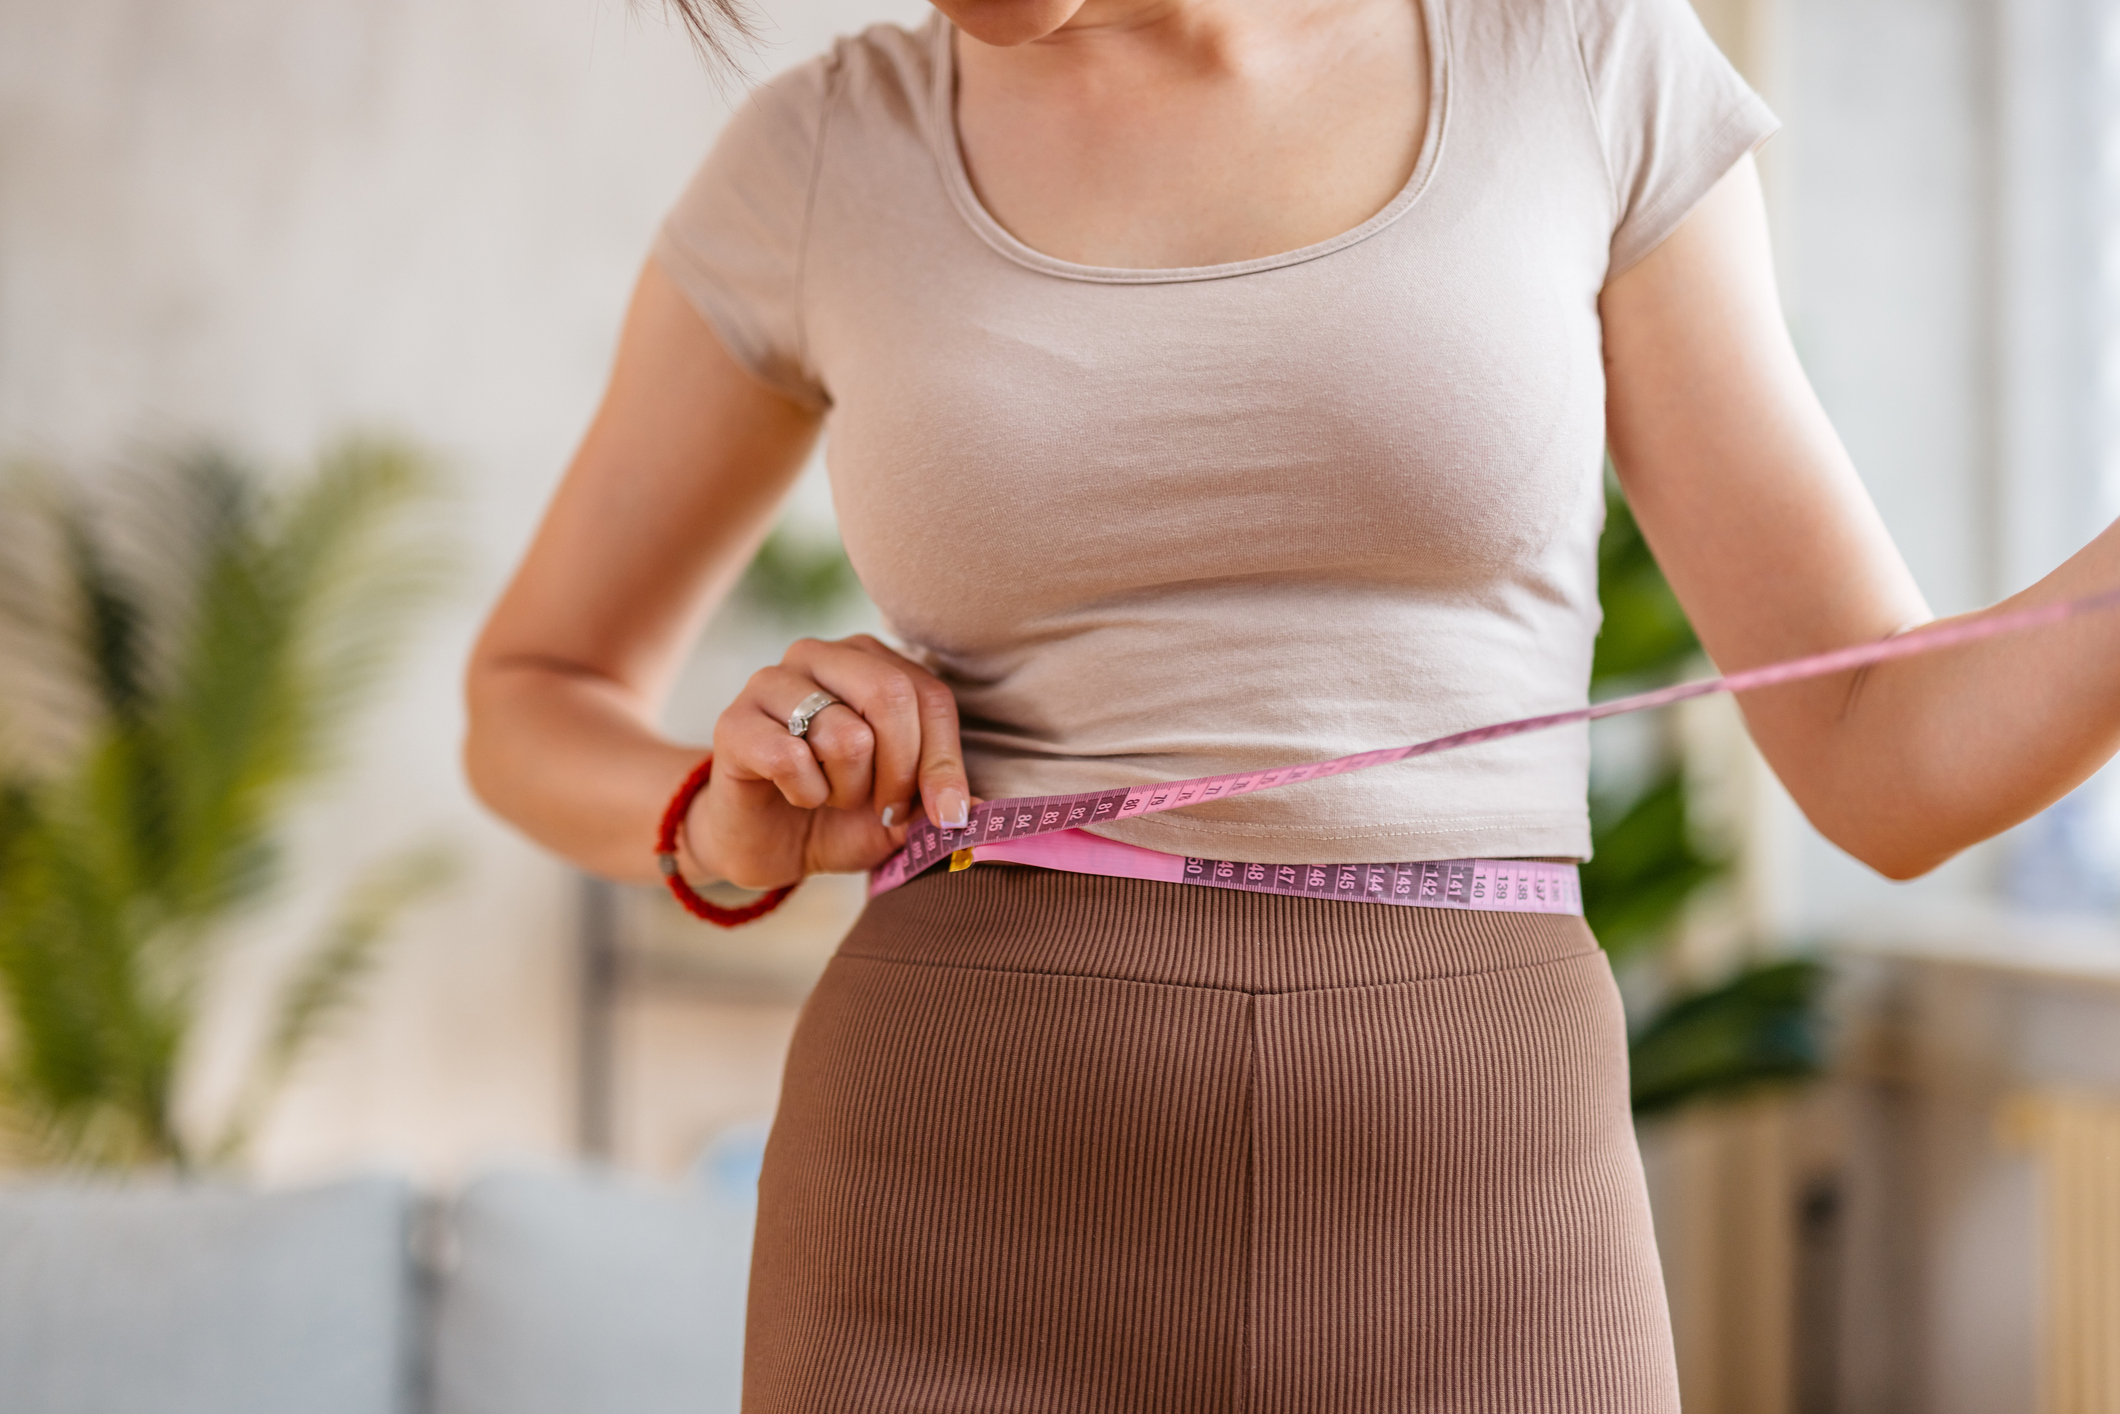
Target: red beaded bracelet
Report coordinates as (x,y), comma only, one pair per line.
(666,857)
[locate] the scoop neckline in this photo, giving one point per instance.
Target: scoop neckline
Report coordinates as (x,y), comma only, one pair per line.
(949,152)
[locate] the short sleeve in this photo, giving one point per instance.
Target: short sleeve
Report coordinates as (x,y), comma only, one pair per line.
(1672,113)
(734,241)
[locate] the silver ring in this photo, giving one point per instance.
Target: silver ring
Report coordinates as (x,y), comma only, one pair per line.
(799,719)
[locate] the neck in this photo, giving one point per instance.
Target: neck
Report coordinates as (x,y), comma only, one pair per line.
(1123,40)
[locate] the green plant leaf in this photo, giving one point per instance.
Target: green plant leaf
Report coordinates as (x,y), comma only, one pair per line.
(1646,863)
(1645,868)
(327,980)
(219,635)
(800,581)
(1761,1026)
(295,613)
(93,1033)
(1646,634)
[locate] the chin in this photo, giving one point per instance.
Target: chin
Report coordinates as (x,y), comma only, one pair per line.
(1007,23)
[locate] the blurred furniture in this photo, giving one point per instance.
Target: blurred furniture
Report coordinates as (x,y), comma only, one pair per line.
(207,1301)
(1990,1069)
(1983,1069)
(563,1295)
(636,945)
(529,1292)
(2075,1143)
(1935,1229)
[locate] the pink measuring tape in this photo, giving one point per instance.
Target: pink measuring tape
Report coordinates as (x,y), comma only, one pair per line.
(1049,830)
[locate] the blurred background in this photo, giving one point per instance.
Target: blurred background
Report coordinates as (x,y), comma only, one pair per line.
(302,308)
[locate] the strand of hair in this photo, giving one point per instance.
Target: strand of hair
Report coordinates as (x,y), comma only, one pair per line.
(719,29)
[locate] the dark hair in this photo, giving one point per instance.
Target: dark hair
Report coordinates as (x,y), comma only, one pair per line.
(718,28)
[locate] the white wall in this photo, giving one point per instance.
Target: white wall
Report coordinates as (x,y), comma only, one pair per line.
(269,220)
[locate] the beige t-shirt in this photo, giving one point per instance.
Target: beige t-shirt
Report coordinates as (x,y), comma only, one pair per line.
(1151,524)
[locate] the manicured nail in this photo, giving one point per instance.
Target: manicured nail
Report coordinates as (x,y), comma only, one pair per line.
(890,816)
(953,808)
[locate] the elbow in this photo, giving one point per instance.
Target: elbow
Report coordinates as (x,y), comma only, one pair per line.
(1902,816)
(475,753)
(471,759)
(1902,868)
(1898,853)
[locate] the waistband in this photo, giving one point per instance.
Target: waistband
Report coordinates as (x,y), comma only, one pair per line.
(1514,885)
(1016,919)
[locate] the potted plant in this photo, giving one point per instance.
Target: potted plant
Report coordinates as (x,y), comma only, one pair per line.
(180,647)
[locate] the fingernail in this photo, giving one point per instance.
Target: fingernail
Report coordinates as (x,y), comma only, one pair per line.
(953,808)
(890,816)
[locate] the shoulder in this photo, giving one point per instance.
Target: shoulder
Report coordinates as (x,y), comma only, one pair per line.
(891,56)
(883,73)
(1596,26)
(1617,34)
(1528,40)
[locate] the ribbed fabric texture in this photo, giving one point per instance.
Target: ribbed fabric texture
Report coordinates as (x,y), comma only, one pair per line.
(1058,1142)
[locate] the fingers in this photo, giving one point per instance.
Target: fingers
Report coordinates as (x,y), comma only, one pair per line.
(884,689)
(752,743)
(839,740)
(892,735)
(937,771)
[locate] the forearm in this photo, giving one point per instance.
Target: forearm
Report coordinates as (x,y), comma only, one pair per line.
(573,760)
(672,491)
(1926,756)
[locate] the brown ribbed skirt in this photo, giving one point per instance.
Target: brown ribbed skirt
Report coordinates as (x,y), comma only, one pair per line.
(1055,1142)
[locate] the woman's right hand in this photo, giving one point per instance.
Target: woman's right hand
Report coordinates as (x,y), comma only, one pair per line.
(780,807)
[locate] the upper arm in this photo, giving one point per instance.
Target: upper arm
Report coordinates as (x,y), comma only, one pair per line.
(672,489)
(1736,477)
(712,405)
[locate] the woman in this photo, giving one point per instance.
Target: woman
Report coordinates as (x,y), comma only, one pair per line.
(1215,385)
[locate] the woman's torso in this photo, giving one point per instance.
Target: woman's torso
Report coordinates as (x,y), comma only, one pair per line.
(1163,523)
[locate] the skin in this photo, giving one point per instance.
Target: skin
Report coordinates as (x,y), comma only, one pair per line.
(1167,133)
